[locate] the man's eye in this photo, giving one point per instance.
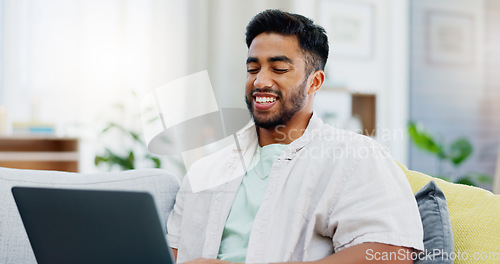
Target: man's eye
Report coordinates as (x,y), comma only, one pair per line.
(281,70)
(252,70)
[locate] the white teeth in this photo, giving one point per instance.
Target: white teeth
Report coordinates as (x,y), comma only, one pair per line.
(265,100)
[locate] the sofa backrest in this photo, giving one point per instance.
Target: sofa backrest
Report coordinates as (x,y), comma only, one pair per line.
(14,244)
(475,218)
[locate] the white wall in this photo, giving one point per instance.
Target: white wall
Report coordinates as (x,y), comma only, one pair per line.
(217,43)
(396,96)
(78,58)
(446,95)
(1,50)
(385,73)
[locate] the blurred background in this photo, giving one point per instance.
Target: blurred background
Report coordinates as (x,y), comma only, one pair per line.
(420,76)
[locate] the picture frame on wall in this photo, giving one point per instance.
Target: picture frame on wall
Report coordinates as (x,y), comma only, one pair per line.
(449,38)
(349,26)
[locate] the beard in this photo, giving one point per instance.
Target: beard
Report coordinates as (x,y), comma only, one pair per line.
(288,107)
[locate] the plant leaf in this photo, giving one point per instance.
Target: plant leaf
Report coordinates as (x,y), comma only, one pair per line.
(157,162)
(99,159)
(484,178)
(153,119)
(108,127)
(480,177)
(459,151)
(466,181)
(423,140)
(444,178)
(130,161)
(136,137)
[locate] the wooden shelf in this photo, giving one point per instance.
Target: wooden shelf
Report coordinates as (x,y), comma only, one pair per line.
(41,153)
(364,106)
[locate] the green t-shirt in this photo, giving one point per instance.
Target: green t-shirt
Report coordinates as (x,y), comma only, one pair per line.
(246,203)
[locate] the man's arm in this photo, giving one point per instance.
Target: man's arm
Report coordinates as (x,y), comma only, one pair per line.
(359,254)
(370,253)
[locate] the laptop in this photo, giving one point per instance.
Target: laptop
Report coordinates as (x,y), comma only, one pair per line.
(84,226)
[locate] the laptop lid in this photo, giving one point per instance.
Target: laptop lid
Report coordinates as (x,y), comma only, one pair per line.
(83,226)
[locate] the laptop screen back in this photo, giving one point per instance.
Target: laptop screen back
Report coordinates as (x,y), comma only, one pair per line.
(82,226)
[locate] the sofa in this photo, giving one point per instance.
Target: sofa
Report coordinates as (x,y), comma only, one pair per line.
(14,244)
(474,215)
(474,212)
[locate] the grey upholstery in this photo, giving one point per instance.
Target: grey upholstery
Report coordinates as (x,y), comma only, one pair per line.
(14,244)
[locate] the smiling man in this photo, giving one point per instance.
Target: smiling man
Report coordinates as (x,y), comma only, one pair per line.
(305,191)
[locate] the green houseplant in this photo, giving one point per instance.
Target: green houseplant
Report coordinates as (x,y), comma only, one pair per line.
(456,152)
(128,160)
(132,150)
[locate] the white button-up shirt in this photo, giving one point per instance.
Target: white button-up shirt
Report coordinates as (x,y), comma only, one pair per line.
(328,190)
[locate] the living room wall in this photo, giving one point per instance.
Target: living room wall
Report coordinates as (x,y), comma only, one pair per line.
(379,68)
(70,63)
(454,84)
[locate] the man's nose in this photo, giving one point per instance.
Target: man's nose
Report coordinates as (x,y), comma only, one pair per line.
(263,80)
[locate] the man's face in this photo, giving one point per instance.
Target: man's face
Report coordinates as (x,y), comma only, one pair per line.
(276,80)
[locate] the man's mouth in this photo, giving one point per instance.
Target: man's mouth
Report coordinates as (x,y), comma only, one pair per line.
(264,101)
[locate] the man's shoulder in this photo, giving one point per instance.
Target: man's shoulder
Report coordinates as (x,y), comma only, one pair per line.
(335,136)
(348,145)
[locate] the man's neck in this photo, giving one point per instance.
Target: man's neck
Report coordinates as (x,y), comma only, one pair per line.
(286,133)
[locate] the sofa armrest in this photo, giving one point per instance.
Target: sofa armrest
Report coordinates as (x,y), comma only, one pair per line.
(14,243)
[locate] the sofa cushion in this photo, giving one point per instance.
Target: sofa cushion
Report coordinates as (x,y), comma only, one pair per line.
(14,243)
(474,215)
(438,236)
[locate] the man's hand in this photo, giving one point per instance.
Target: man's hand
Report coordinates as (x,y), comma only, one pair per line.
(201,260)
(359,254)
(208,261)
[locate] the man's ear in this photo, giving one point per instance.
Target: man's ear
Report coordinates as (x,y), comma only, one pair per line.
(316,79)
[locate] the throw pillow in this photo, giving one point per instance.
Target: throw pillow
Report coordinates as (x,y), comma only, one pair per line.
(438,234)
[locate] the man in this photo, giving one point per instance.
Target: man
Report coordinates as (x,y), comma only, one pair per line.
(304,191)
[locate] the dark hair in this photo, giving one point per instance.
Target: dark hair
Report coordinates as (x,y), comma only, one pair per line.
(312,38)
